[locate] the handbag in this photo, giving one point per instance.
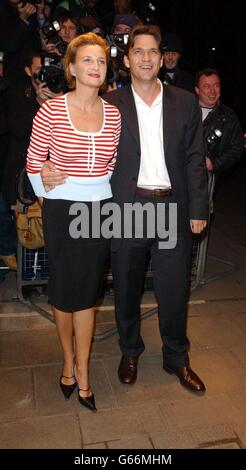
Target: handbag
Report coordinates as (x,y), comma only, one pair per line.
(30,226)
(25,193)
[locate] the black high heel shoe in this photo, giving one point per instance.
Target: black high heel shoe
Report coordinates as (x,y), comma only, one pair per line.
(67,390)
(88,402)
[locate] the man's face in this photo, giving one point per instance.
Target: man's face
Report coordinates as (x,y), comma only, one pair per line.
(144,59)
(122,29)
(208,90)
(35,67)
(171,59)
(68,31)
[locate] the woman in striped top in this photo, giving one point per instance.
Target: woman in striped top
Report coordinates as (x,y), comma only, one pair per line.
(79,132)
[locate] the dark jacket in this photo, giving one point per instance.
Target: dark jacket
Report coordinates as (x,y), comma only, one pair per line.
(183,146)
(225,150)
(181,79)
(16,38)
(21,109)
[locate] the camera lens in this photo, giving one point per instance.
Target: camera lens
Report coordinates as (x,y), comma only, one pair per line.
(113,51)
(62,47)
(218,132)
(56,25)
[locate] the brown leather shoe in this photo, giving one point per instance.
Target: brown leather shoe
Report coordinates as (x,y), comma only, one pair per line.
(187,377)
(128,369)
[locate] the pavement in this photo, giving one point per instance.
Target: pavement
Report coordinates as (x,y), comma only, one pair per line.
(157,412)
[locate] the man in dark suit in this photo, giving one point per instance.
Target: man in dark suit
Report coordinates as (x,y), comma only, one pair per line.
(160,161)
(223,135)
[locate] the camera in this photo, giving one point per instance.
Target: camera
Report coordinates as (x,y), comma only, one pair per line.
(214,135)
(213,132)
(120,42)
(49,31)
(117,43)
(52,74)
(212,138)
(149,13)
(117,71)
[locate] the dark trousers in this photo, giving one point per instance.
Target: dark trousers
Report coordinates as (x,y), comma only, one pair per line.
(171,268)
(8,236)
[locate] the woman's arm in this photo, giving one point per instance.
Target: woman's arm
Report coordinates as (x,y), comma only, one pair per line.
(39,147)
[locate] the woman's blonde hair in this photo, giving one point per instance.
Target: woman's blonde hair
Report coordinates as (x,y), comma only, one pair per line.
(88,39)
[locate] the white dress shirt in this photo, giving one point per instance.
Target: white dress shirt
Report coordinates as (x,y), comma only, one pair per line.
(205,112)
(153,171)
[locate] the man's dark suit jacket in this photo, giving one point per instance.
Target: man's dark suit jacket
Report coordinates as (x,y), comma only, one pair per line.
(181,78)
(183,147)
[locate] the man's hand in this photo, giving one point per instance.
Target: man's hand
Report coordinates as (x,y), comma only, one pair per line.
(44,93)
(209,164)
(52,177)
(197,226)
(25,11)
(111,87)
(50,47)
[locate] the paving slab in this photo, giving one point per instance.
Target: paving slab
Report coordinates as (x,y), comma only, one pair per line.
(52,432)
(140,442)
(198,411)
(17,394)
(205,332)
(109,425)
(24,348)
(194,437)
(219,369)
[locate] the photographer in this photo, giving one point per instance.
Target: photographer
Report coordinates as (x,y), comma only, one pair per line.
(84,10)
(58,34)
(120,7)
(8,241)
(118,75)
(222,130)
(172,73)
(18,29)
(23,101)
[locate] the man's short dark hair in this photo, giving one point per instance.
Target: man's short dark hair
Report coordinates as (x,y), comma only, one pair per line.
(150,30)
(29,56)
(208,71)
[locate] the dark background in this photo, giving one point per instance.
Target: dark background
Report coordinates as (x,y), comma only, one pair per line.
(203,24)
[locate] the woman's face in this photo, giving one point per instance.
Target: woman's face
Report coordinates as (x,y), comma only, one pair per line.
(90,67)
(68,31)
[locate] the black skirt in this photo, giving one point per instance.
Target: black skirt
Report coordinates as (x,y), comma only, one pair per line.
(76,264)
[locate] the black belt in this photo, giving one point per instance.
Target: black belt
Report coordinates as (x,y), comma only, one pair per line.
(153,193)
